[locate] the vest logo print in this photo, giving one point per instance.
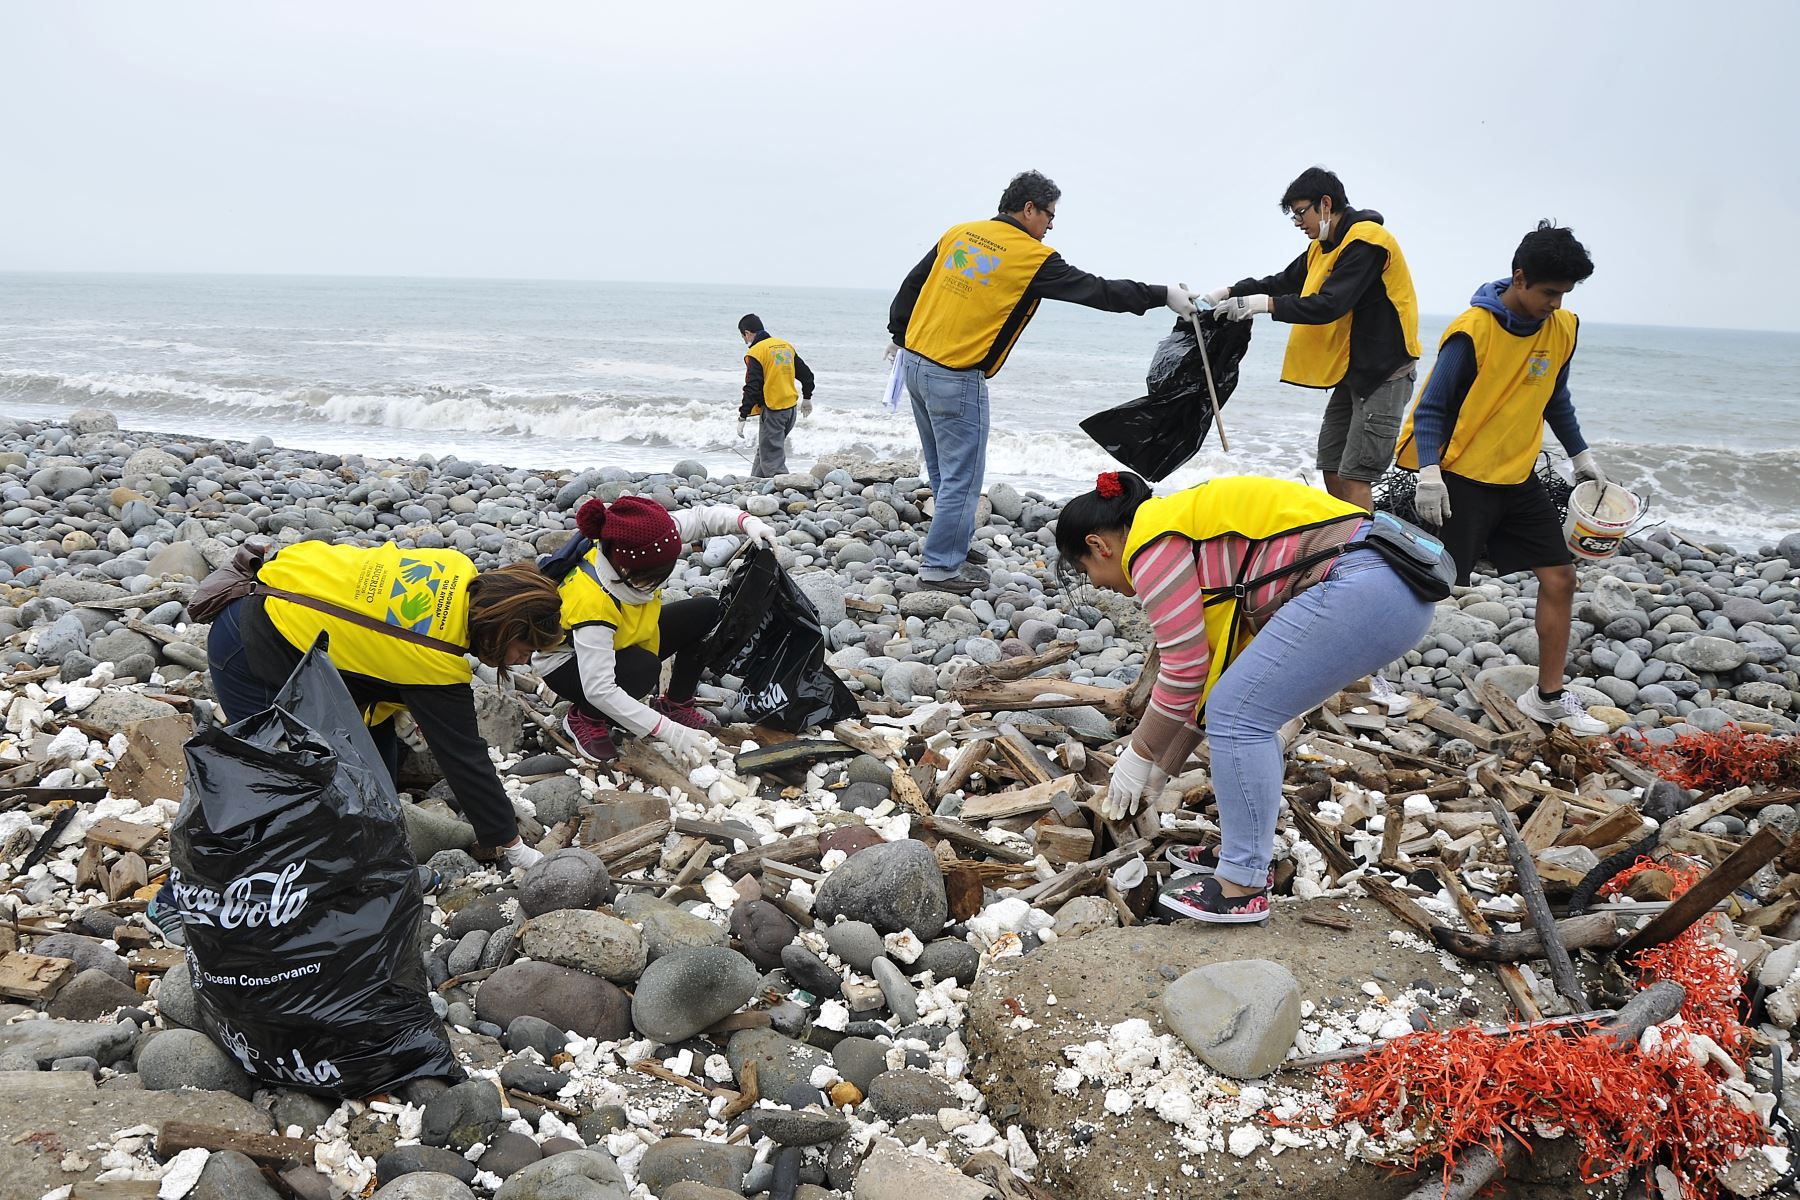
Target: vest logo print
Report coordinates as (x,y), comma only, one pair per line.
(413,600)
(1537,366)
(972,262)
(783,358)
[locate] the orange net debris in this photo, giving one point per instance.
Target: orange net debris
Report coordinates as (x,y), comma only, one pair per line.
(1453,1089)
(1720,761)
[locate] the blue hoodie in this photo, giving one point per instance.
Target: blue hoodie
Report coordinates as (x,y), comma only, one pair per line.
(1454,371)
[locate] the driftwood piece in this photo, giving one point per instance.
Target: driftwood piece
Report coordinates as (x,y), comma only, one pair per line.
(640,760)
(1620,824)
(799,752)
(32,976)
(1546,824)
(790,850)
(1065,882)
(176,1136)
(1025,759)
(1398,903)
(969,759)
(970,838)
(1577,933)
(1562,969)
(1307,822)
(1511,978)
(632,840)
(1019,666)
(1019,801)
(1719,883)
(1022,695)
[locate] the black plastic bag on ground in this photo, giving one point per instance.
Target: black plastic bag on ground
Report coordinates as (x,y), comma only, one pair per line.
(1155,434)
(770,638)
(300,898)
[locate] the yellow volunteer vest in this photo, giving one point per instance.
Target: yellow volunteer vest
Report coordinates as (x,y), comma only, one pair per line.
(777,359)
(585,601)
(426,591)
(1248,506)
(1500,427)
(963,312)
(1318,356)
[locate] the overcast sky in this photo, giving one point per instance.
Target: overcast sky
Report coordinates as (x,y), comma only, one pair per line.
(829,144)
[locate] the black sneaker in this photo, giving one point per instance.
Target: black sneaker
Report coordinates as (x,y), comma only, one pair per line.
(965,582)
(1202,899)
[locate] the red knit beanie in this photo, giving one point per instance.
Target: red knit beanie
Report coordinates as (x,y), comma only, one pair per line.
(637,535)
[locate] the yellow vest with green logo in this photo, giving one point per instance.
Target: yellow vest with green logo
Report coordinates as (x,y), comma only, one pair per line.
(1248,506)
(777,359)
(585,601)
(426,591)
(1318,356)
(968,311)
(1500,427)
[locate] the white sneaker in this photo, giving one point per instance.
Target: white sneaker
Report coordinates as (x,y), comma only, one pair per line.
(1565,710)
(519,856)
(1385,694)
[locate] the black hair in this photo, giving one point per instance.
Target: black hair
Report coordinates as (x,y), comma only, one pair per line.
(1313,184)
(1550,254)
(1091,512)
(750,323)
(1029,187)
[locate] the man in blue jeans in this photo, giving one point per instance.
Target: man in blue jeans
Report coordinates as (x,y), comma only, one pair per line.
(957,315)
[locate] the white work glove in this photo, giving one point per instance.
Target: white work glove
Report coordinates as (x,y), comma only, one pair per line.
(893,348)
(1179,300)
(806,406)
(1216,297)
(519,856)
(1587,468)
(1242,308)
(741,423)
(1125,793)
(1431,499)
(682,740)
(759,531)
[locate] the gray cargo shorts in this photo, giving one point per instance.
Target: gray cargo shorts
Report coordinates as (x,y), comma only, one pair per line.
(1356,439)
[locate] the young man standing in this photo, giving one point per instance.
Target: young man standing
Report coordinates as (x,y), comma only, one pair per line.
(1356,328)
(957,315)
(1502,371)
(771,367)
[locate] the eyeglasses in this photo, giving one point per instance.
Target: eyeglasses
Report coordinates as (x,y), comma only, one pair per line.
(1295,214)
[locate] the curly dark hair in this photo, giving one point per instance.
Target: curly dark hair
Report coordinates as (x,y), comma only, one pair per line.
(1029,187)
(1550,254)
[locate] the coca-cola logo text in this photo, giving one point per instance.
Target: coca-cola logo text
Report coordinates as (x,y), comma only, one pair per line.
(264,898)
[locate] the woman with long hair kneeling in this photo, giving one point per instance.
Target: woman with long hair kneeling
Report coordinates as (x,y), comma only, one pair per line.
(1264,603)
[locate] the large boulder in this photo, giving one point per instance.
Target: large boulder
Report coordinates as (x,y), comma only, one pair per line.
(894,886)
(567,998)
(1238,1017)
(1111,976)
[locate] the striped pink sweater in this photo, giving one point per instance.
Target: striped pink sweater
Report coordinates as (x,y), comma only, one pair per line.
(1169,575)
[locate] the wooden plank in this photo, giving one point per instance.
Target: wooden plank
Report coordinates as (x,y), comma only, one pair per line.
(156,960)
(115,1189)
(1562,968)
(970,838)
(1546,824)
(788,850)
(613,813)
(905,789)
(32,976)
(127,876)
(1622,823)
(176,1136)
(1393,825)
(1502,708)
(1026,760)
(969,759)
(1062,844)
(1511,977)
(1719,883)
(1018,801)
(1451,725)
(629,842)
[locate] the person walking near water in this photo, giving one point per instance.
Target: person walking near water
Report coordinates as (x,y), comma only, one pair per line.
(1502,371)
(1264,602)
(1350,300)
(957,315)
(771,369)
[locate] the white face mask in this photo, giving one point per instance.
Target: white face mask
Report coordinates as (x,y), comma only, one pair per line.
(1324,226)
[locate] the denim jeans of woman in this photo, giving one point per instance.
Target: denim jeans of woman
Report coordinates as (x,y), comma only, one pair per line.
(1356,620)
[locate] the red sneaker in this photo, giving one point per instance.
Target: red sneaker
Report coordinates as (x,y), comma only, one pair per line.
(593,738)
(683,712)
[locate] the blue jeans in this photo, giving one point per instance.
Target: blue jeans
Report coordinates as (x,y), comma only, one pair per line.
(1355,621)
(951,411)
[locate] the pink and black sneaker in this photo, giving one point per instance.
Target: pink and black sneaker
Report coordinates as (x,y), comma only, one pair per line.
(1200,860)
(593,738)
(1204,900)
(683,712)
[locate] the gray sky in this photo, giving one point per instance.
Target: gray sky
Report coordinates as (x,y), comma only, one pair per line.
(829,144)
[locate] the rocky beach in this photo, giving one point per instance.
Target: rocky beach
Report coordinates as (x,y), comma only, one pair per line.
(849,972)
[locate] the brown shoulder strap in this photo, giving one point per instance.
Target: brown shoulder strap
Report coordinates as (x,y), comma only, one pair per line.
(367,622)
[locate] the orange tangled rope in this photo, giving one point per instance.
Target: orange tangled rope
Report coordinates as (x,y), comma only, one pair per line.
(1720,761)
(1458,1088)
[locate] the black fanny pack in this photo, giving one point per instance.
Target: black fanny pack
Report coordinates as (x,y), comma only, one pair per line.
(1417,557)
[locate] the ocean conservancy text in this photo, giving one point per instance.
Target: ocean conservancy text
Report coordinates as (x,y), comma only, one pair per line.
(262,980)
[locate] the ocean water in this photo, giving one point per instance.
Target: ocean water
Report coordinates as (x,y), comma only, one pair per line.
(1704,423)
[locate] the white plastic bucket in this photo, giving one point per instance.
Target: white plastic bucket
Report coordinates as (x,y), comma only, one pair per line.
(1600,515)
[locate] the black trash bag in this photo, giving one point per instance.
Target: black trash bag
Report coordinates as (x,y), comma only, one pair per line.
(770,638)
(1155,434)
(301,899)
